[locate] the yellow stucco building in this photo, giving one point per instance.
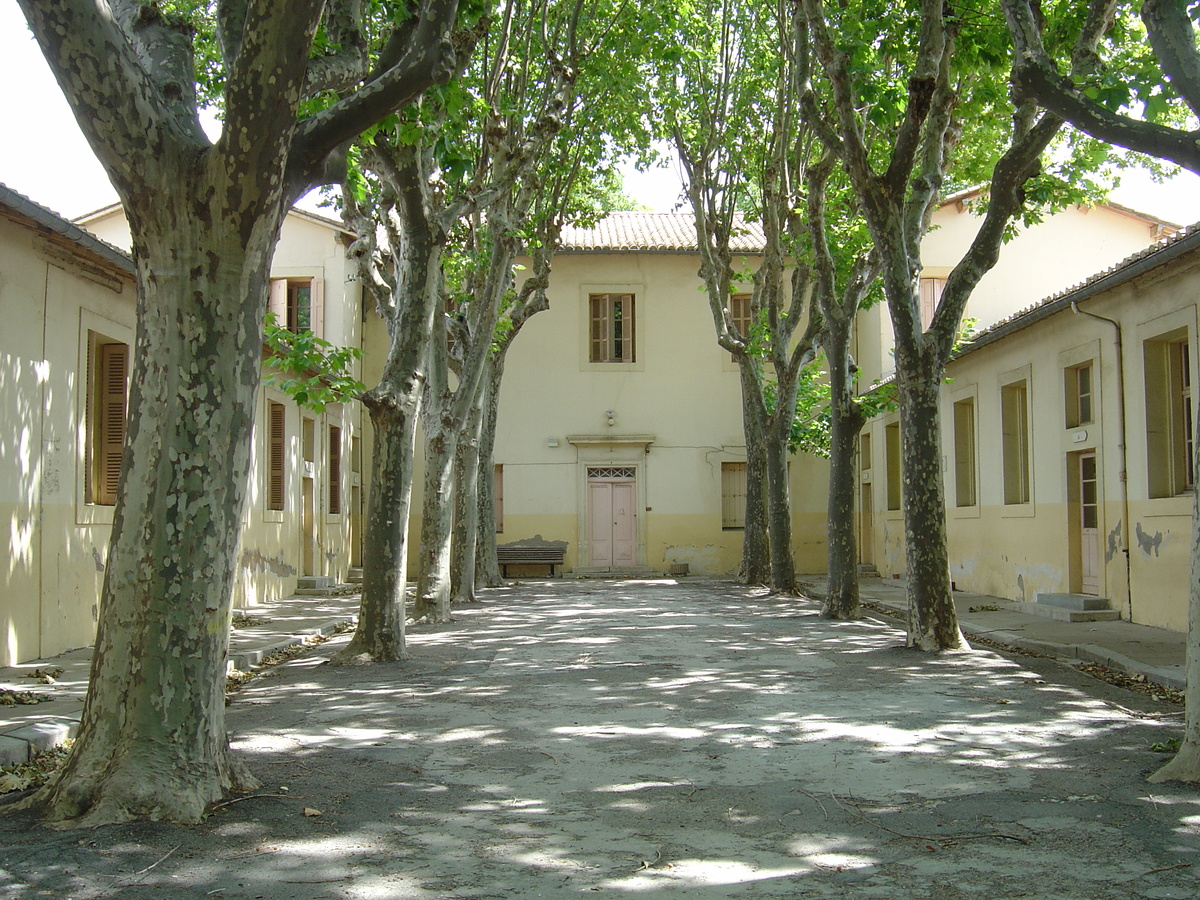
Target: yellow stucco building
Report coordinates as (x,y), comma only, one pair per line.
(67,299)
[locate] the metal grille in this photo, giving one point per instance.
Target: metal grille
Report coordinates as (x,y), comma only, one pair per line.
(611,471)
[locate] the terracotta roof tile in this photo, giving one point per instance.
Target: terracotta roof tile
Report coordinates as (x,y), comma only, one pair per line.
(650,232)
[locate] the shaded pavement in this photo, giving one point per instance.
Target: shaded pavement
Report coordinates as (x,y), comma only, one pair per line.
(569,738)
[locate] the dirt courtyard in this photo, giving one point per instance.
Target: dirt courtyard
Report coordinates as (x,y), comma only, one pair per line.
(652,739)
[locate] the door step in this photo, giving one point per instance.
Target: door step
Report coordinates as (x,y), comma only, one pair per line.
(868,570)
(611,572)
(1071,608)
(354,576)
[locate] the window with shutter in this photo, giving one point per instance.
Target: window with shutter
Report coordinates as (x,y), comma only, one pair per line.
(335,470)
(931,295)
(612,328)
(276,419)
(298,304)
(106,431)
(733,495)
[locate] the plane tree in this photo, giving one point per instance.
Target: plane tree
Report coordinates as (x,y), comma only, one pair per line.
(204,216)
(729,103)
(898,113)
(1129,75)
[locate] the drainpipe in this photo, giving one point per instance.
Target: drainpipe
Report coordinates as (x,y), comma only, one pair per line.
(1121,447)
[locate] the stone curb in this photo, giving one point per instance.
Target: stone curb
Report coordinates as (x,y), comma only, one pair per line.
(19,744)
(1092,653)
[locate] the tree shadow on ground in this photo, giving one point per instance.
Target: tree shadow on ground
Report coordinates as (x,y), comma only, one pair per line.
(568,738)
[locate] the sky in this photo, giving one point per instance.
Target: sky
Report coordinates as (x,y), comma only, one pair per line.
(44,156)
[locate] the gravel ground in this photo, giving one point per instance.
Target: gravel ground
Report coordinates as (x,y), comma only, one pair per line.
(651,739)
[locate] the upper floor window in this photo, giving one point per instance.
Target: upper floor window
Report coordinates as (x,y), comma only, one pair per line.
(107,398)
(298,304)
(611,336)
(931,295)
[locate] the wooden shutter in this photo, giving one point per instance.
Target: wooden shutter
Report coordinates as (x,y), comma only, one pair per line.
(931,295)
(277,301)
(317,307)
(733,495)
(739,312)
(112,395)
(275,454)
(335,470)
(599,331)
(622,328)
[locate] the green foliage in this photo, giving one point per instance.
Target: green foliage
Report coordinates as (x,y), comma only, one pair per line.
(309,369)
(811,430)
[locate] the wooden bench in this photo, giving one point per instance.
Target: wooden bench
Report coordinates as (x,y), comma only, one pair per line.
(532,553)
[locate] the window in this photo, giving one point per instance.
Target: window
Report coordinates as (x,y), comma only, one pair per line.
(1169,415)
(498,496)
(276,418)
(298,304)
(739,312)
(108,393)
(864,452)
(612,328)
(931,294)
(335,470)
(1014,424)
(891,434)
(733,495)
(1079,394)
(964,452)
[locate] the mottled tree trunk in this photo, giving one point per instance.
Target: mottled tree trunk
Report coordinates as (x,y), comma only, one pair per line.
(846,420)
(779,507)
(487,566)
(152,739)
(466,512)
(932,621)
(433,573)
(379,636)
(756,548)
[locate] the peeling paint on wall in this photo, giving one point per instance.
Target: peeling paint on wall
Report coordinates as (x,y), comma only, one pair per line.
(1020,598)
(254,561)
(99,560)
(1146,542)
(1114,542)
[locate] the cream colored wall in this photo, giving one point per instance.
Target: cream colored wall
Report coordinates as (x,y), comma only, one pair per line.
(683,391)
(1063,250)
(1016,551)
(56,543)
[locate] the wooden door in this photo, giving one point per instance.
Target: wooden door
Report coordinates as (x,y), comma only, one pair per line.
(612,519)
(1089,525)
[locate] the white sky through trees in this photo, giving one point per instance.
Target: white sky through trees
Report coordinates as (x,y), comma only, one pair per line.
(44,156)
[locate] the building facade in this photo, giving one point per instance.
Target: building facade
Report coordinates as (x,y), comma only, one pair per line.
(1067,441)
(68,301)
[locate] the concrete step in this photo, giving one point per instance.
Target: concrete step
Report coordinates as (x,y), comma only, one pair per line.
(315,581)
(614,572)
(1079,602)
(1061,614)
(354,576)
(868,570)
